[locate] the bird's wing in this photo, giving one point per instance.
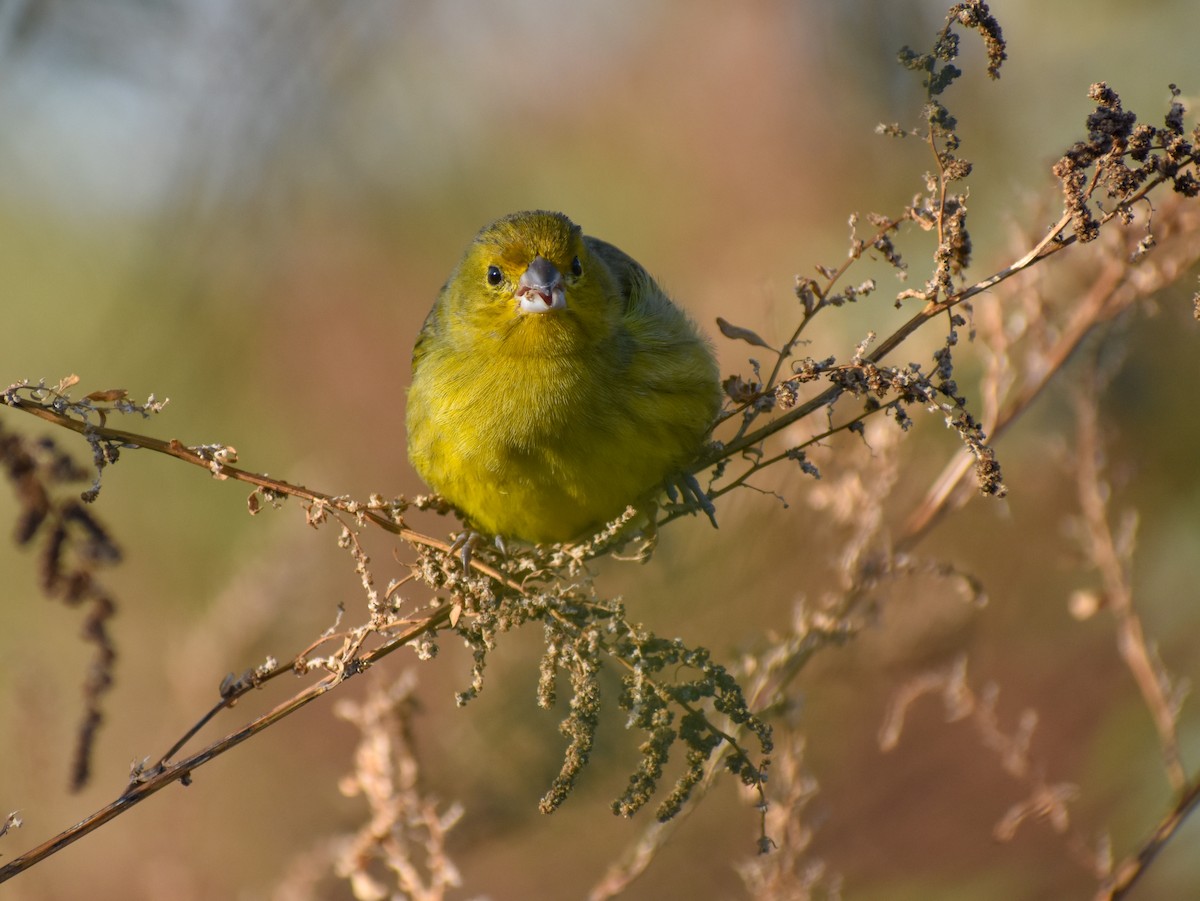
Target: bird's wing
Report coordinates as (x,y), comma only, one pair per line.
(428,334)
(626,271)
(647,312)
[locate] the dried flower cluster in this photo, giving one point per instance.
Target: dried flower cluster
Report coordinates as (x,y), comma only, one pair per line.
(1115,140)
(72,545)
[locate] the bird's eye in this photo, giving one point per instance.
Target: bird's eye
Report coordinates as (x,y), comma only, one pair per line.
(576,267)
(494,275)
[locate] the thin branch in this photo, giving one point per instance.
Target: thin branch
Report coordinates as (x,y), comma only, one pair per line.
(1130,870)
(146,784)
(1085,317)
(199,457)
(1113,563)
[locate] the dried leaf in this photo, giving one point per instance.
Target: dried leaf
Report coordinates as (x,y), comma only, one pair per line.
(108,396)
(737,333)
(739,390)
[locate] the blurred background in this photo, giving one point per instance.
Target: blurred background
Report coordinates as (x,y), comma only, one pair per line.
(249,207)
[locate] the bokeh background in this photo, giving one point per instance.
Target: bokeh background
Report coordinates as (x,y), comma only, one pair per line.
(249,207)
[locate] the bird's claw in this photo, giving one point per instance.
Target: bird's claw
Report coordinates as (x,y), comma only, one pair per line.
(466,543)
(693,496)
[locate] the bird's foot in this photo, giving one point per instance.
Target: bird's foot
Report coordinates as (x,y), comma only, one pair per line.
(685,494)
(467,542)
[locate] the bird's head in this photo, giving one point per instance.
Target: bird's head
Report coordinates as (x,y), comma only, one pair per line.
(530,281)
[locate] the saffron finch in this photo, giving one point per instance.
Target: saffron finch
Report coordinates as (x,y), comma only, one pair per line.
(554,383)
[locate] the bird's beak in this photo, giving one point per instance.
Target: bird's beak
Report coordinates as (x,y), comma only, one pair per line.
(540,289)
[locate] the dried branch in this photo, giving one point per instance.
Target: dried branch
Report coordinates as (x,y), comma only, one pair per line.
(145,783)
(407,830)
(1110,551)
(1112,556)
(1126,874)
(73,546)
(489,597)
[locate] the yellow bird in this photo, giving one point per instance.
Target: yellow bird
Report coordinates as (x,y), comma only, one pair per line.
(554,383)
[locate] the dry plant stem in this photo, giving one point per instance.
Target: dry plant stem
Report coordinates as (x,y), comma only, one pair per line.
(1053,242)
(641,853)
(249,682)
(180,451)
(1113,564)
(140,791)
(763,464)
(1128,871)
(785,352)
(405,832)
(149,784)
(856,254)
(1093,310)
(766,694)
(964,703)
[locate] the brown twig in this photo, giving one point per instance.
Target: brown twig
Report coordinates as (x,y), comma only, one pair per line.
(197,457)
(1118,281)
(1112,558)
(146,784)
(1130,870)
